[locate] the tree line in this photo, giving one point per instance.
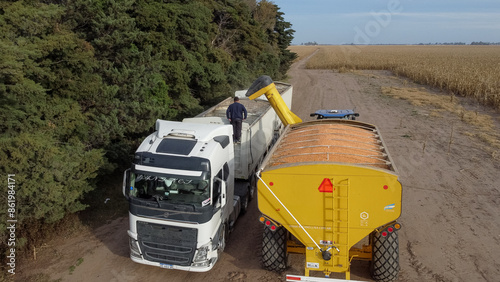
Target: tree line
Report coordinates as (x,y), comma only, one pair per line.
(83,81)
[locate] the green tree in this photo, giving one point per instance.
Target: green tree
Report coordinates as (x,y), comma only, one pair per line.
(285,37)
(131,69)
(180,35)
(83,81)
(44,138)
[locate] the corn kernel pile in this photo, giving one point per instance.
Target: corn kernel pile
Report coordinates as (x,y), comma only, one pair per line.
(338,143)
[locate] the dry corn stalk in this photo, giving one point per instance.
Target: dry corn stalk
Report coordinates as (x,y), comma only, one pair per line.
(470,71)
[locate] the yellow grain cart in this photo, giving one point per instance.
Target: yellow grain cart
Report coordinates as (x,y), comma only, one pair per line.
(325,186)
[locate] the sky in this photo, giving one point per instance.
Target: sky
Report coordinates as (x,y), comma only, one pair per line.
(392,21)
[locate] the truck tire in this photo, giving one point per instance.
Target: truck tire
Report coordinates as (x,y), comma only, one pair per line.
(244,203)
(274,249)
(385,257)
(253,184)
(221,245)
(241,189)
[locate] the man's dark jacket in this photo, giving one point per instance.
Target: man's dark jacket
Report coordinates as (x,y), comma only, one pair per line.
(235,111)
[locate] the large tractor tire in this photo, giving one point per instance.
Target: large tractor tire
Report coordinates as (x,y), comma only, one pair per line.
(385,260)
(274,249)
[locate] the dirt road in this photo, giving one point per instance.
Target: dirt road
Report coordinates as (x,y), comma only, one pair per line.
(451,198)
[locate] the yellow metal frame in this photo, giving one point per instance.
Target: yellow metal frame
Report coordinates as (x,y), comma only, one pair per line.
(329,222)
(363,199)
(364,253)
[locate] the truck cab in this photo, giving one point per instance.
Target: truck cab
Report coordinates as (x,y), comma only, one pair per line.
(189,182)
(177,188)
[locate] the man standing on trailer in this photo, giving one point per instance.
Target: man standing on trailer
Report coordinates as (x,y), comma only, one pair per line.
(236,113)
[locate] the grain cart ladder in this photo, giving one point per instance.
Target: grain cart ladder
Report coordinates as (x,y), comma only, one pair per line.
(326,188)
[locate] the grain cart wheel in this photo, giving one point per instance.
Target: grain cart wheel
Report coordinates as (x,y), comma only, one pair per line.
(385,260)
(274,249)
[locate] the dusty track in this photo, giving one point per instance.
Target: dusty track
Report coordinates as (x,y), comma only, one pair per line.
(451,198)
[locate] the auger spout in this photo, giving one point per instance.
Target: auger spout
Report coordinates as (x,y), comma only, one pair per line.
(265,85)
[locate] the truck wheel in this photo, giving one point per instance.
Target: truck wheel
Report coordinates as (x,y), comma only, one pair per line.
(253,185)
(385,256)
(222,239)
(244,203)
(274,249)
(320,117)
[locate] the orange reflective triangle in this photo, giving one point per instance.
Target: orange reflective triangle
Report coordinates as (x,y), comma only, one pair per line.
(326,186)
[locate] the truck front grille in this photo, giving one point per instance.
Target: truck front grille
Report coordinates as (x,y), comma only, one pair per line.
(167,244)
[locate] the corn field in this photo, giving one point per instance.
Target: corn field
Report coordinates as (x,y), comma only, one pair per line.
(304,51)
(469,71)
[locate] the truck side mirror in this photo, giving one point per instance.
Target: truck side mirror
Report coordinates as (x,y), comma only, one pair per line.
(126,183)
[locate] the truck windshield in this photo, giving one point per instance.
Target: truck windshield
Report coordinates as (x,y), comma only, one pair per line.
(175,189)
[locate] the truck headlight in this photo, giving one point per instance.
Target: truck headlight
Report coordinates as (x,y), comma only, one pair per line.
(134,248)
(201,257)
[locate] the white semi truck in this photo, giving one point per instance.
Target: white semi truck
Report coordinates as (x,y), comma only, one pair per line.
(189,183)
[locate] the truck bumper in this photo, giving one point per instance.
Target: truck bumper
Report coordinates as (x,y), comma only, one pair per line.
(196,266)
(315,279)
(210,265)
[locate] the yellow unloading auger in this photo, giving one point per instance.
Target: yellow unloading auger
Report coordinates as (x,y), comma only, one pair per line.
(330,184)
(265,85)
